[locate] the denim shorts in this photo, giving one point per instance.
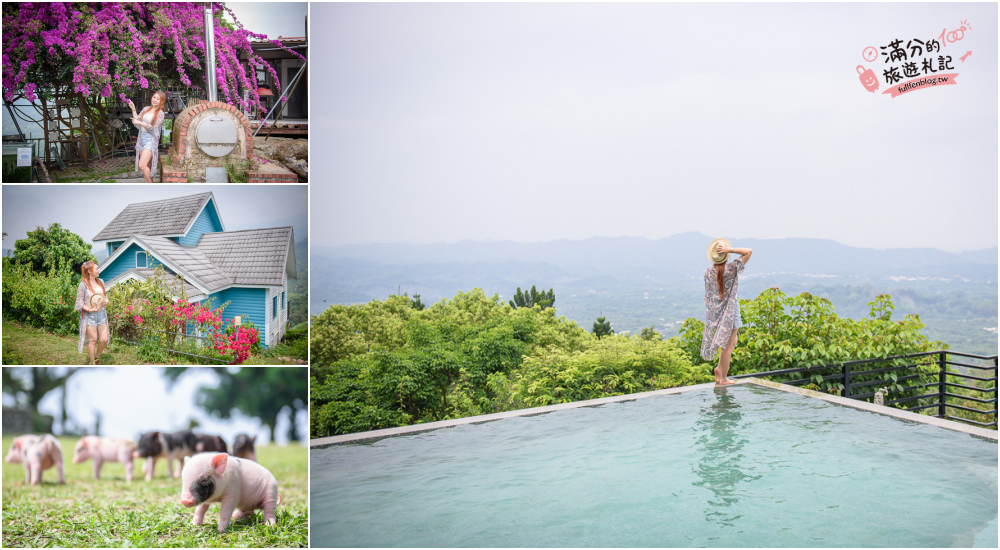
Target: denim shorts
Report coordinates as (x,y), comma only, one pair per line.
(737,322)
(146,141)
(98,317)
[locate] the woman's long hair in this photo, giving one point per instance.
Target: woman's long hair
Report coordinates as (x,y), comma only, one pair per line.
(158,108)
(85,271)
(719,270)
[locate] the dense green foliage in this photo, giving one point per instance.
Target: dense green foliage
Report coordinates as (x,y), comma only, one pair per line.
(41,299)
(47,249)
(385,363)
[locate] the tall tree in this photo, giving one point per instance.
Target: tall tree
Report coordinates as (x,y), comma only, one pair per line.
(29,385)
(44,249)
(650,333)
(602,327)
(256,392)
(533,298)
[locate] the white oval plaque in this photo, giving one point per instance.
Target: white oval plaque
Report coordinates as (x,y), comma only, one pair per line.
(216,136)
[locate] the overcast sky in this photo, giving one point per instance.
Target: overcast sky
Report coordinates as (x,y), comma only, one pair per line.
(87,209)
(533,122)
(274,19)
(135,400)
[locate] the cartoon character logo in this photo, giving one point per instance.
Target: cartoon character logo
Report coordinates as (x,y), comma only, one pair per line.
(868,79)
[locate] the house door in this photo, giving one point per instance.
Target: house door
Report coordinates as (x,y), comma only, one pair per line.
(297,106)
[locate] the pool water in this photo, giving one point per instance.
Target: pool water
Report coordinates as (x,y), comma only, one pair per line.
(729,467)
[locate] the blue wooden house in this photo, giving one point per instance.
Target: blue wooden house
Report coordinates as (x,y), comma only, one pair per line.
(186,235)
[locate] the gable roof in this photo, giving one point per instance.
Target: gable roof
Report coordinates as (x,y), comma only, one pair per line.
(257,257)
(251,256)
(186,261)
(144,273)
(168,217)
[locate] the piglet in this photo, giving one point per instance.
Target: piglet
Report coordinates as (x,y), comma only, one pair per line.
(154,445)
(239,486)
(104,449)
(243,447)
(210,444)
(37,453)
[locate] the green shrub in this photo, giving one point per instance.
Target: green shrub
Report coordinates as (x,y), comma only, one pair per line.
(613,365)
(44,300)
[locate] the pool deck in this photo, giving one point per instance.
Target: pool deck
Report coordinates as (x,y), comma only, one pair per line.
(845,401)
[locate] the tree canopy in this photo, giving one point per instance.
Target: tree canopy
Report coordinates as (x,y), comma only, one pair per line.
(384,363)
(255,392)
(44,249)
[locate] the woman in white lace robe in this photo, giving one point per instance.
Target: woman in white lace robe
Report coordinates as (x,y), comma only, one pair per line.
(722,308)
(93,321)
(149,122)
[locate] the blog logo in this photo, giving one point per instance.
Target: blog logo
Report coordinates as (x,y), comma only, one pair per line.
(914,64)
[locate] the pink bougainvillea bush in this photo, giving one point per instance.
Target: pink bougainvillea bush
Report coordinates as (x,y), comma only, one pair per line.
(104,48)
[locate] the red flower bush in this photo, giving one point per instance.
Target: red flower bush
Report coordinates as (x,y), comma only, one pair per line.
(238,340)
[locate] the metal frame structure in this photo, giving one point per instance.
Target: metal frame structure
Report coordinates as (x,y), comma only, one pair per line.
(940,396)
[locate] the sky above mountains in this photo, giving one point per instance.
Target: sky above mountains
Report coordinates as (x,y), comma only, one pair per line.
(535,122)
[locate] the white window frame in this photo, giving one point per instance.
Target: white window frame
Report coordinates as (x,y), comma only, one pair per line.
(137,252)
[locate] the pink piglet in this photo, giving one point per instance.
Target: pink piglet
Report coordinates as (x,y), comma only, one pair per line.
(37,453)
(239,486)
(104,449)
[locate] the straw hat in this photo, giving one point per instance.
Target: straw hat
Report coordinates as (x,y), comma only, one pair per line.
(95,301)
(715,256)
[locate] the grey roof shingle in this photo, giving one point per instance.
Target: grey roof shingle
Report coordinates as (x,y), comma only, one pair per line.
(164,217)
(249,257)
(189,261)
(145,273)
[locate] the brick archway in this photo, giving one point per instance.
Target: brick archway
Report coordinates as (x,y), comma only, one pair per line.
(181,127)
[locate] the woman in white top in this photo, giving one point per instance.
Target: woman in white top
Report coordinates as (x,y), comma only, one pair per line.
(149,122)
(93,320)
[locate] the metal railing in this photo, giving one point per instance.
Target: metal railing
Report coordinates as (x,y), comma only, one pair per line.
(842,373)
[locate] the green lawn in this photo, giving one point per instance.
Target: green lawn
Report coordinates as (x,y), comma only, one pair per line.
(112,513)
(26,345)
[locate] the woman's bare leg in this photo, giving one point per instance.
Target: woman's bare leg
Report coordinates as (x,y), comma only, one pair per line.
(91,342)
(145,161)
(102,339)
(722,371)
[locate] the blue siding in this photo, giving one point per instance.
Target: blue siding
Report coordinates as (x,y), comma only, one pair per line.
(243,301)
(207,222)
(125,262)
(112,246)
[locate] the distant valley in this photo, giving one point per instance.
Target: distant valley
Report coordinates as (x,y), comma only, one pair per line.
(639,282)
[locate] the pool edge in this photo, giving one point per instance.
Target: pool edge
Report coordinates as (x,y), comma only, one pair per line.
(881,409)
(322,442)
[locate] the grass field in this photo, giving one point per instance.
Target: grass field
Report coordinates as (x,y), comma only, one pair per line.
(26,345)
(112,513)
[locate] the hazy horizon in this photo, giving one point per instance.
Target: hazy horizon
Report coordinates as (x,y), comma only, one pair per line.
(540,122)
(735,241)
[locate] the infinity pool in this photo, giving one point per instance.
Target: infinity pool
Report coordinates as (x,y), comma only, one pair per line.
(730,467)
